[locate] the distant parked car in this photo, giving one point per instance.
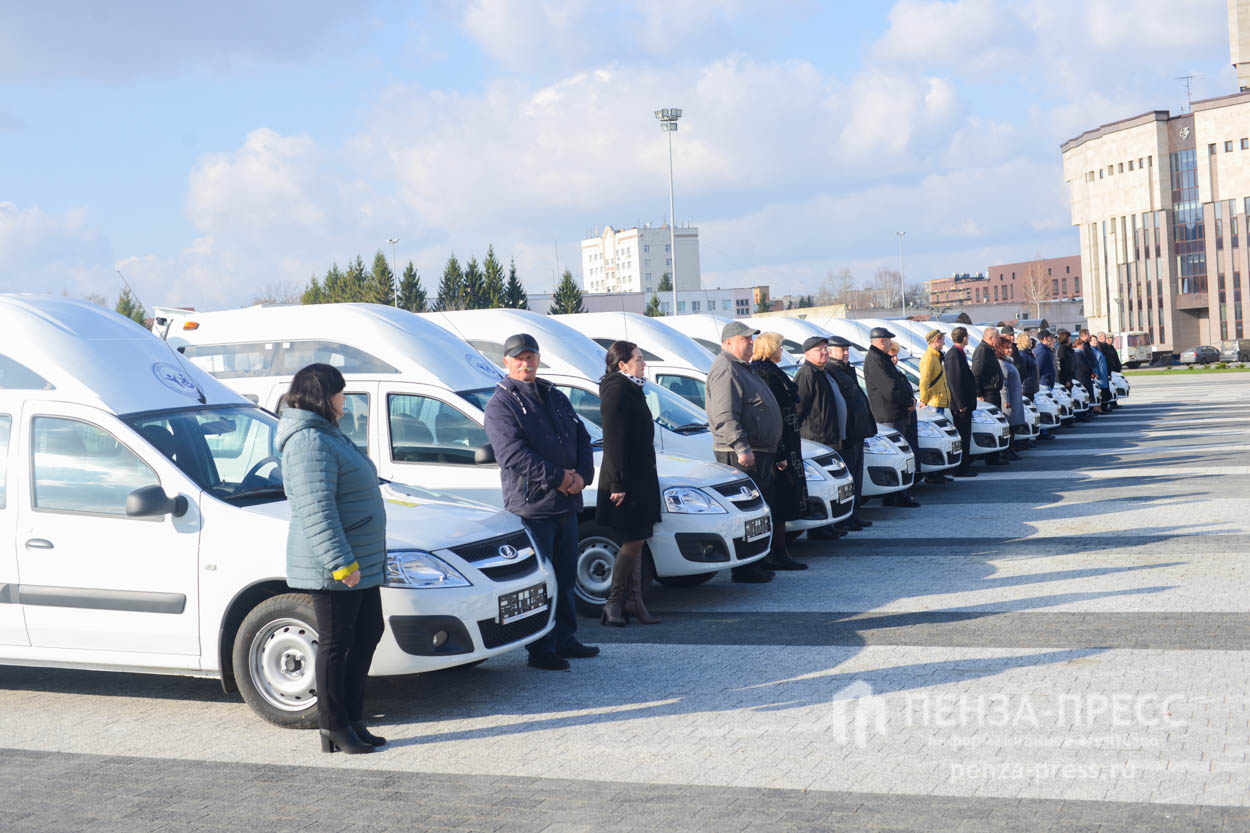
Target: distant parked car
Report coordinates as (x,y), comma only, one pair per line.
(1235,350)
(1202,354)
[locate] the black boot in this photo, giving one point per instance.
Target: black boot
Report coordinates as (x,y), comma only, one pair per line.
(367,736)
(343,740)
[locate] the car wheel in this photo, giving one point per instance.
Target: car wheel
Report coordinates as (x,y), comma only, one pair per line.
(275,653)
(596,553)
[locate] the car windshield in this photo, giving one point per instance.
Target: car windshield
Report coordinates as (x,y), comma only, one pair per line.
(229,452)
(481,396)
(667,408)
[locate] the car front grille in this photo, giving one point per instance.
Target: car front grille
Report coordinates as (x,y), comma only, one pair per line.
(747,501)
(524,563)
(482,550)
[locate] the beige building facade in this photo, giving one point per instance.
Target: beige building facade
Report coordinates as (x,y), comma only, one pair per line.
(1161,202)
(636,259)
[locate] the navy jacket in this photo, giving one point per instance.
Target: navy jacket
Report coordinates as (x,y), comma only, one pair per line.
(1045,365)
(536,436)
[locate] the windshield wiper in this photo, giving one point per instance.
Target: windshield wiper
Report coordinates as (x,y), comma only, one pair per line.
(264,491)
(690,428)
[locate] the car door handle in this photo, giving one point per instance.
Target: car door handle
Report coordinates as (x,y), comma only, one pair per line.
(38,544)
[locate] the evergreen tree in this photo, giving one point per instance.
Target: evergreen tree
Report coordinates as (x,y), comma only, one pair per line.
(449,290)
(355,280)
(514,293)
(653,307)
(568,297)
(334,287)
(314,294)
(129,306)
(379,286)
(666,283)
(411,292)
(473,289)
(492,281)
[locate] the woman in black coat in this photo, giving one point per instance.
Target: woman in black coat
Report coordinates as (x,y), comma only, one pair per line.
(629,488)
(789,493)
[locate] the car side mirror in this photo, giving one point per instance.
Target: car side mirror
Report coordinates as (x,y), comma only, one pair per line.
(484,454)
(152,502)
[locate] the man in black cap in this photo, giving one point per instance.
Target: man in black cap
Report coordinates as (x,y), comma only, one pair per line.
(859,422)
(545,462)
(963,390)
(746,423)
(891,398)
(822,408)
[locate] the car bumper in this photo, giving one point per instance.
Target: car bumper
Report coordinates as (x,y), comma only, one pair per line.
(887,473)
(684,545)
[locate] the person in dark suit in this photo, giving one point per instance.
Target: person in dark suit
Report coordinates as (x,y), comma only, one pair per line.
(1044,355)
(859,422)
(628,500)
(986,369)
(891,398)
(963,395)
(822,412)
(789,497)
(1065,367)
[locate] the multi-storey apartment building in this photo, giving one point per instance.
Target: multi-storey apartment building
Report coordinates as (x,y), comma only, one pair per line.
(636,259)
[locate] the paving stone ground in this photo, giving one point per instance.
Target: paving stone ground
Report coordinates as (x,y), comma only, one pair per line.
(1062,645)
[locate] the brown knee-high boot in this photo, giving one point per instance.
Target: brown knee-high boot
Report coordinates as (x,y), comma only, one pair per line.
(614,607)
(633,601)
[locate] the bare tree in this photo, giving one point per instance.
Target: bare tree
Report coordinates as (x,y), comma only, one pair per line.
(836,288)
(288,292)
(886,286)
(1036,284)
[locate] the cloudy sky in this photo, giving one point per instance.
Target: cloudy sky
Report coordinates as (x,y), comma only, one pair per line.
(210,150)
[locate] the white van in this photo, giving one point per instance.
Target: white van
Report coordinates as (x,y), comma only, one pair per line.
(686,374)
(143,527)
(575,363)
(416,396)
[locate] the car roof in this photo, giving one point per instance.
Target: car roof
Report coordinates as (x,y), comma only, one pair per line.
(92,355)
(561,348)
(671,346)
(419,349)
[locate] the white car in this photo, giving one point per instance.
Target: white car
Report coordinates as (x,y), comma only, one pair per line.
(416,396)
(144,528)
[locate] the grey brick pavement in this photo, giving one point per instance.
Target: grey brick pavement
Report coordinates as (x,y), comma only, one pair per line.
(64,793)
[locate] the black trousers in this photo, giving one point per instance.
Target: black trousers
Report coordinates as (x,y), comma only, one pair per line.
(907,427)
(557,539)
(963,424)
(349,627)
(764,473)
(853,456)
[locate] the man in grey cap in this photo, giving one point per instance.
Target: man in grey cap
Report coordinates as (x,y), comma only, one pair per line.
(545,462)
(892,400)
(746,422)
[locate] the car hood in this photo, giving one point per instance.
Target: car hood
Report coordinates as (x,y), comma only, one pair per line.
(417,519)
(674,470)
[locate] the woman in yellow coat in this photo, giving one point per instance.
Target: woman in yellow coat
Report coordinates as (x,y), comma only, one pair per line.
(933,389)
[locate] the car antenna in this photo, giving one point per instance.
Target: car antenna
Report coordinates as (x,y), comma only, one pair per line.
(164,340)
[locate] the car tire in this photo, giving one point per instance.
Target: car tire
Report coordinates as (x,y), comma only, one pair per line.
(597,548)
(274,656)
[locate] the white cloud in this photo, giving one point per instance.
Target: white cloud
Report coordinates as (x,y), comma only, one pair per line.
(53,252)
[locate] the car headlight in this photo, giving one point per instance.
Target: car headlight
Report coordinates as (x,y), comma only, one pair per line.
(812,471)
(981,416)
(927,429)
(685,500)
(877,445)
(421,570)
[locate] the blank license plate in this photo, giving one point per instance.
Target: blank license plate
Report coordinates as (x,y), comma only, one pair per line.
(957,447)
(910,466)
(845,492)
(522,603)
(759,527)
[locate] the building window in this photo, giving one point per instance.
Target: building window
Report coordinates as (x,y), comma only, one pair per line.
(668,247)
(646,248)
(648,277)
(1211,149)
(1054,286)
(1121,170)
(1187,224)
(1130,164)
(1141,163)
(668,261)
(1111,170)
(1013,276)
(1100,173)
(694,306)
(1228,146)
(681,307)
(1065,286)
(1245,144)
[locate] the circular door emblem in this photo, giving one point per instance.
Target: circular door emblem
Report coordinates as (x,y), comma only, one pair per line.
(508,551)
(476,361)
(176,379)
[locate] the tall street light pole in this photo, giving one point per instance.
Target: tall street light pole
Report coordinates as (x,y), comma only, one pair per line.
(668,123)
(901,279)
(394,266)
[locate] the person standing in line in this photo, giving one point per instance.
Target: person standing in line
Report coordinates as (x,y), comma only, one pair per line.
(1083,372)
(746,424)
(1013,398)
(1044,356)
(545,463)
(629,489)
(335,551)
(1114,365)
(892,401)
(822,411)
(1065,365)
(987,370)
(790,483)
(859,424)
(1101,370)
(963,397)
(934,390)
(1030,375)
